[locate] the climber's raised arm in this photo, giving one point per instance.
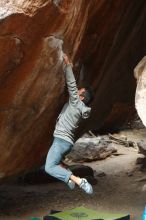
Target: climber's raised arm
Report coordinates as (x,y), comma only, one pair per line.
(70,80)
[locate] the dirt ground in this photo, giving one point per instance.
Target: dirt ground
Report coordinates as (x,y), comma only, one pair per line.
(118,191)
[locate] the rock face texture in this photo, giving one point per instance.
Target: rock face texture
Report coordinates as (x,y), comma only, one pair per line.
(105,40)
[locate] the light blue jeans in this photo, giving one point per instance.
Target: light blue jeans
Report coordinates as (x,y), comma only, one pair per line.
(56,153)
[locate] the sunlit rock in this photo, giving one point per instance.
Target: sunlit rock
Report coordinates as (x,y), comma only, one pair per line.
(140,97)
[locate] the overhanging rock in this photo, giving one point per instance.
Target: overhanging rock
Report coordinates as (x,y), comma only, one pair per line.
(103,38)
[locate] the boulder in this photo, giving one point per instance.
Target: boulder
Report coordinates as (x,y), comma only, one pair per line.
(140,97)
(142,147)
(144,188)
(90,149)
(104,39)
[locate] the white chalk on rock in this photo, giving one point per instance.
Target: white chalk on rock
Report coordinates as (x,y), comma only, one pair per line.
(56,43)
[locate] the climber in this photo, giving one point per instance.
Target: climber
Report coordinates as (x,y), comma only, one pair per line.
(68,120)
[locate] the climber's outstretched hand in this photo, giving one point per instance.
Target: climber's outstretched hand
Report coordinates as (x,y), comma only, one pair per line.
(66,60)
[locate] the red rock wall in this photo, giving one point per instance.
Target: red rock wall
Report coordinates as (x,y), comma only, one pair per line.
(104,38)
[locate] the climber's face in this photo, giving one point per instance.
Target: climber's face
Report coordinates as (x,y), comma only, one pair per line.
(80,91)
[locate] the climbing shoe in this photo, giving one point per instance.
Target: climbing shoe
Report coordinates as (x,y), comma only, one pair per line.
(86,186)
(71,184)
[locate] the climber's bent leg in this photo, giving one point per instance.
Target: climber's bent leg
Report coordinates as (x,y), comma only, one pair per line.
(57,151)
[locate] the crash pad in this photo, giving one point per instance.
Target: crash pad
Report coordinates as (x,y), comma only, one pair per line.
(34,218)
(82,213)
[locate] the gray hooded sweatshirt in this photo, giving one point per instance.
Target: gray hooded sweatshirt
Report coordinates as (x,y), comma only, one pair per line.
(72,112)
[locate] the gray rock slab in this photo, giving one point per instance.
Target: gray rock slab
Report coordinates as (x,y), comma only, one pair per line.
(91,149)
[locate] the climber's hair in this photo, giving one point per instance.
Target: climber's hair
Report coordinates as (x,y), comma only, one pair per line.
(88,95)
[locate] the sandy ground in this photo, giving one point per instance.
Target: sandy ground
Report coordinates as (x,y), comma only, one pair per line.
(118,191)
